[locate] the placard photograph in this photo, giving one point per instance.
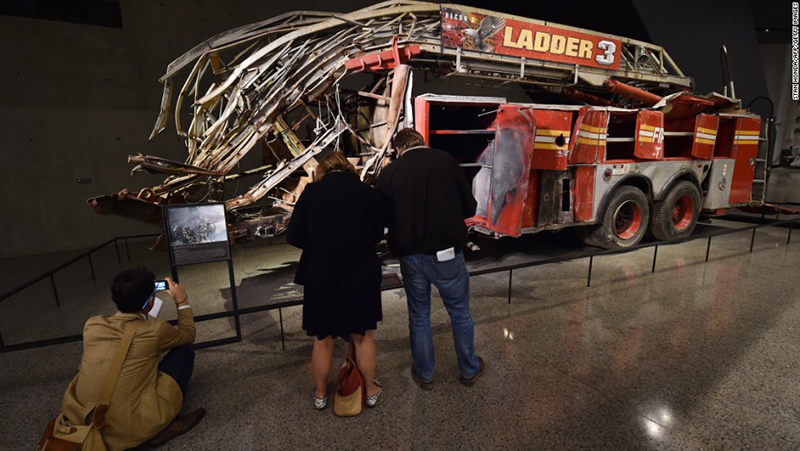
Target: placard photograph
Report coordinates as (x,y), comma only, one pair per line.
(197,233)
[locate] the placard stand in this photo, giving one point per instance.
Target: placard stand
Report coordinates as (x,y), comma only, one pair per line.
(198,234)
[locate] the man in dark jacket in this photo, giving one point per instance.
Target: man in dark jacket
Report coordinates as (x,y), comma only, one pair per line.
(427,199)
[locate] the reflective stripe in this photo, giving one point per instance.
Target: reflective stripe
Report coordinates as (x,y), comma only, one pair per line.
(585,134)
(704,141)
(552,132)
(592,129)
(548,139)
(748,132)
(710,131)
(591,142)
(645,136)
(745,138)
(647,127)
(707,136)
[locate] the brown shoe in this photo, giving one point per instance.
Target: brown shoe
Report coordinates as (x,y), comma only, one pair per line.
(470,381)
(422,384)
(178,427)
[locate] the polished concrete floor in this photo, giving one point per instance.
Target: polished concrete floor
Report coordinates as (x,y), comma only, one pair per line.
(696,356)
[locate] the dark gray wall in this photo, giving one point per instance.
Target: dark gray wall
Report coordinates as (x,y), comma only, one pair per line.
(777,70)
(693,31)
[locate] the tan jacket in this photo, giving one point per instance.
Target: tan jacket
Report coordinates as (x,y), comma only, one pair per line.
(145,400)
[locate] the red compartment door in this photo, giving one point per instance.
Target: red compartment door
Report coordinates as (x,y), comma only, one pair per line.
(649,135)
(551,144)
(745,149)
(588,144)
(511,165)
(705,135)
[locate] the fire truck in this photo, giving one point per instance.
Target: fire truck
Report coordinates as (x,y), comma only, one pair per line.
(616,172)
(611,140)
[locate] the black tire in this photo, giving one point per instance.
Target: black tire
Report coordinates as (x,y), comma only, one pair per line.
(675,216)
(624,221)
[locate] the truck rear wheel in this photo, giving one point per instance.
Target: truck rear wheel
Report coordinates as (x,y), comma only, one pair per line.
(675,216)
(624,221)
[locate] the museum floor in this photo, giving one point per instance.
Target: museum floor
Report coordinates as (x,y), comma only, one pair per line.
(696,356)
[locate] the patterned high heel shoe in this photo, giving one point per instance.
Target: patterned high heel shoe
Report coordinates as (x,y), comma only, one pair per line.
(319,403)
(372,401)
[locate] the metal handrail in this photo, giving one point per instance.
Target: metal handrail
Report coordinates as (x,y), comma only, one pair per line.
(86,254)
(601,252)
(497,269)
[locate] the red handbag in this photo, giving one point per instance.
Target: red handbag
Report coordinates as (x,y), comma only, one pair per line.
(348,399)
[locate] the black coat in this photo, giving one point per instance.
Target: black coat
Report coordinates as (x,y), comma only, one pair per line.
(337,222)
(427,197)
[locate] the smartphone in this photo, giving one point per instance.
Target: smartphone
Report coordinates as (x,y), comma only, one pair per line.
(161,285)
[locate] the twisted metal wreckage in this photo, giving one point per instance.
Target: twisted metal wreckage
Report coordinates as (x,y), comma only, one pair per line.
(265,84)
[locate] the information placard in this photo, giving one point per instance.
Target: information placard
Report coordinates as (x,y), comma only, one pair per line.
(197,233)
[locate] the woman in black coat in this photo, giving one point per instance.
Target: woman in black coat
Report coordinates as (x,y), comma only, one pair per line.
(337,222)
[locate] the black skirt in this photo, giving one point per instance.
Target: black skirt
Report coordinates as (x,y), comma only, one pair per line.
(350,306)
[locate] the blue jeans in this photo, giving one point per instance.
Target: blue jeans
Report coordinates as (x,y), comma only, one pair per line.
(452,280)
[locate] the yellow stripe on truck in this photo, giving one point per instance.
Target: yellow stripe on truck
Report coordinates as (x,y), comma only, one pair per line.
(591,142)
(589,128)
(553,133)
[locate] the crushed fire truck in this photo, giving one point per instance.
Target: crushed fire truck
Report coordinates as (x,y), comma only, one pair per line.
(619,145)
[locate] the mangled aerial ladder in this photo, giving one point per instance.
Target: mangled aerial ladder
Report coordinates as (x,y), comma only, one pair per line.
(281,86)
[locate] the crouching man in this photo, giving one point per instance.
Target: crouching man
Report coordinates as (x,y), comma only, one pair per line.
(147,395)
